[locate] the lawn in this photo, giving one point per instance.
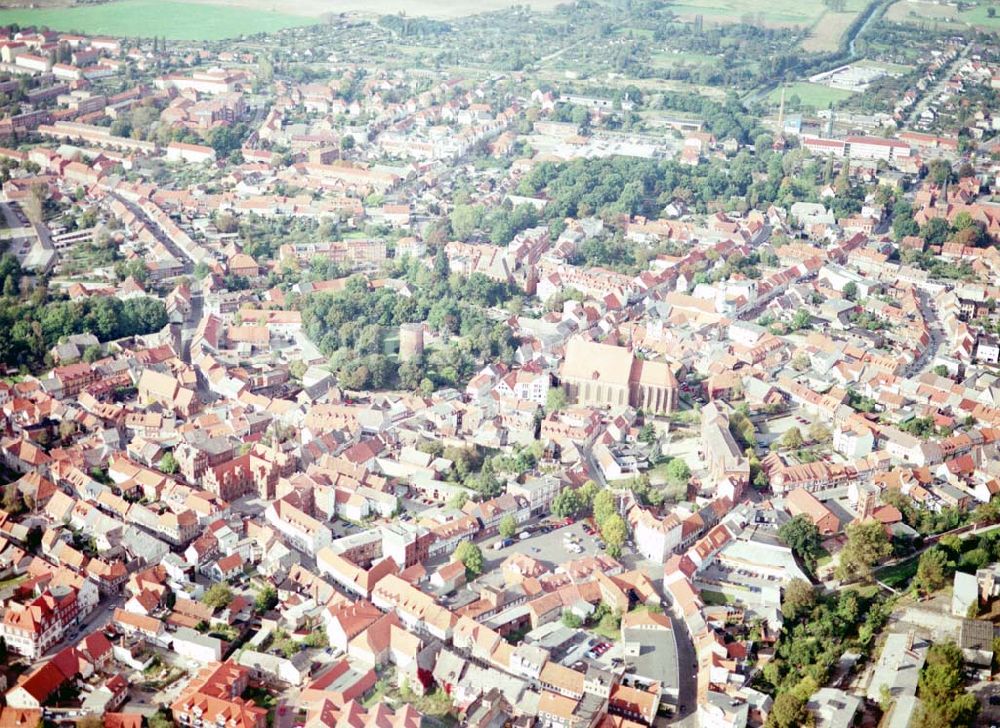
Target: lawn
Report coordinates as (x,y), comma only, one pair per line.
(810,94)
(603,630)
(144,18)
(713,598)
(898,576)
(12,581)
(823,558)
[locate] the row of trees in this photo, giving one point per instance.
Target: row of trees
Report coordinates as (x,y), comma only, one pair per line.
(603,504)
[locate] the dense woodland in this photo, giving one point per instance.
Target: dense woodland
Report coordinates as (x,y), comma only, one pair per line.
(35,321)
(352,326)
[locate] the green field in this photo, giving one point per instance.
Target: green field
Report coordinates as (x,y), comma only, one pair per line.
(666,59)
(979,16)
(811,94)
(716,599)
(898,576)
(146,18)
(944,15)
(775,12)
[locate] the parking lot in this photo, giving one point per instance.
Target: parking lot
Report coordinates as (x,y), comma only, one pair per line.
(549,548)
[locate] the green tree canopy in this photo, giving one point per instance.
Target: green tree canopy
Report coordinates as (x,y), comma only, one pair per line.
(803,538)
(932,571)
(799,598)
(168,463)
(604,507)
(218,596)
(471,556)
(613,531)
(866,546)
(508,526)
(678,472)
(792,438)
(567,503)
(946,704)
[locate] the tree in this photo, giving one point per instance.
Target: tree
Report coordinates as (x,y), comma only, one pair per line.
(614,533)
(13,503)
(218,596)
(935,231)
(940,688)
(168,463)
(587,491)
(267,599)
(647,434)
(788,711)
(799,598)
(571,619)
(508,526)
(160,720)
(932,571)
(604,507)
(972,561)
(567,503)
(792,438)
(465,219)
(34,538)
(802,537)
(471,556)
(850,291)
(555,400)
(818,432)
(458,499)
(92,353)
(866,546)
(678,472)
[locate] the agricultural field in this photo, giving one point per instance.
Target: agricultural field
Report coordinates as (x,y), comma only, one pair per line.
(977,15)
(173,20)
(220,19)
(826,26)
(826,33)
(771,12)
(811,94)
